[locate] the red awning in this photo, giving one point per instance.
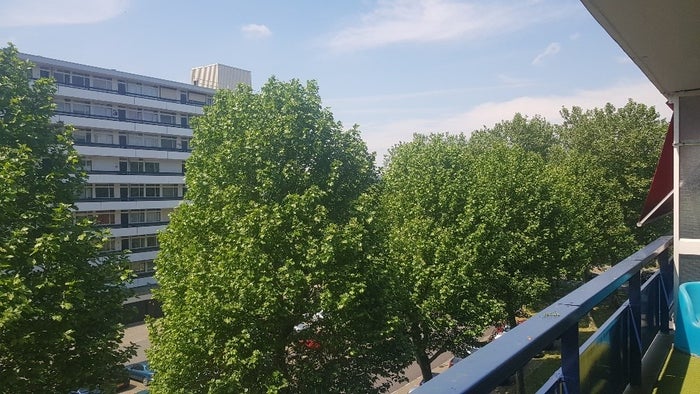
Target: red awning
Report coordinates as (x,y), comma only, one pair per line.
(659,202)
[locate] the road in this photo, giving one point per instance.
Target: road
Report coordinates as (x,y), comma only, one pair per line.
(138,334)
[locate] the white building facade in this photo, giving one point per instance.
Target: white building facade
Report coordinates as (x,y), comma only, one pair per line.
(133,134)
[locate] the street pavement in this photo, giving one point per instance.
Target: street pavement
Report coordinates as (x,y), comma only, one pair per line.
(138,334)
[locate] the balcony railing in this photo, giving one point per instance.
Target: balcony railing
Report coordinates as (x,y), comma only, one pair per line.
(130,225)
(100,199)
(123,119)
(126,93)
(127,146)
(160,173)
(609,361)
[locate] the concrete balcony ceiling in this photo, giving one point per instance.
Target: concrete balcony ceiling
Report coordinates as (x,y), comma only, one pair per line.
(661,37)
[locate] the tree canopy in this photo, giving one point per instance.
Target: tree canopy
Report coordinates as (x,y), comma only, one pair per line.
(268,280)
(625,143)
(424,192)
(60,297)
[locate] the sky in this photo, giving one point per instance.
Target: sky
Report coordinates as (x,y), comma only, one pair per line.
(393,67)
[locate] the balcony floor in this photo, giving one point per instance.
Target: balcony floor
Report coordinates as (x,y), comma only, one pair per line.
(680,374)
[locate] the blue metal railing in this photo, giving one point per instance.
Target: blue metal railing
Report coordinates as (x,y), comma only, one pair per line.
(612,357)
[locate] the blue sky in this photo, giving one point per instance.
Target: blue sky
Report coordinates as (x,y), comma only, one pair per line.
(394,67)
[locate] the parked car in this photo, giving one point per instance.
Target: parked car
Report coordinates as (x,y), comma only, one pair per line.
(122,382)
(141,372)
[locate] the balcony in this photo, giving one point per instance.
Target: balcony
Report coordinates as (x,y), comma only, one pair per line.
(628,352)
(72,88)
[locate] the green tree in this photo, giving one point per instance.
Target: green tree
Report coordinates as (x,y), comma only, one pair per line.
(595,232)
(60,297)
(534,134)
(268,275)
(425,189)
(626,143)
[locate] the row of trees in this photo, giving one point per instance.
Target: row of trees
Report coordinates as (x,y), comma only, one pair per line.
(297,266)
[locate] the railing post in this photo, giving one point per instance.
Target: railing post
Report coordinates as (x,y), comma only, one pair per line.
(635,340)
(570,360)
(666,268)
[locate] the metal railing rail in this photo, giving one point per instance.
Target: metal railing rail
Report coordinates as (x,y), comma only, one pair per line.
(484,370)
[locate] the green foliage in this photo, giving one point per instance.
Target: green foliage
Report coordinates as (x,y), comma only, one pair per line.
(426,186)
(535,135)
(60,298)
(278,227)
(625,142)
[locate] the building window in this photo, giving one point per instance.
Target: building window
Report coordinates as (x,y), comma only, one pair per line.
(167,118)
(102,110)
(133,114)
(136,166)
(153,216)
(150,116)
(86,164)
(104,138)
(147,216)
(44,73)
(104,191)
(144,167)
(80,80)
(134,88)
(101,83)
(62,106)
(151,167)
(82,136)
(136,139)
(62,77)
(148,90)
(104,218)
(109,245)
(168,142)
(143,242)
(170,190)
(151,141)
(144,266)
(81,108)
(86,192)
(136,191)
(152,191)
(137,216)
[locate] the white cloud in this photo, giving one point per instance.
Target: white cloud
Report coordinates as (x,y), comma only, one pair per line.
(402,21)
(256,31)
(552,49)
(16,13)
(381,136)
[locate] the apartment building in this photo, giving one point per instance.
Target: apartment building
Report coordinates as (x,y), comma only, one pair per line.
(133,134)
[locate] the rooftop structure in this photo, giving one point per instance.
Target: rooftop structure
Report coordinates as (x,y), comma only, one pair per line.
(219,76)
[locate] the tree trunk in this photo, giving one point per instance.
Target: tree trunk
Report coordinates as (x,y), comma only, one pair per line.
(419,350)
(424,364)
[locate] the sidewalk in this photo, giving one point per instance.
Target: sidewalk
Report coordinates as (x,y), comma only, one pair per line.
(138,334)
(415,382)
